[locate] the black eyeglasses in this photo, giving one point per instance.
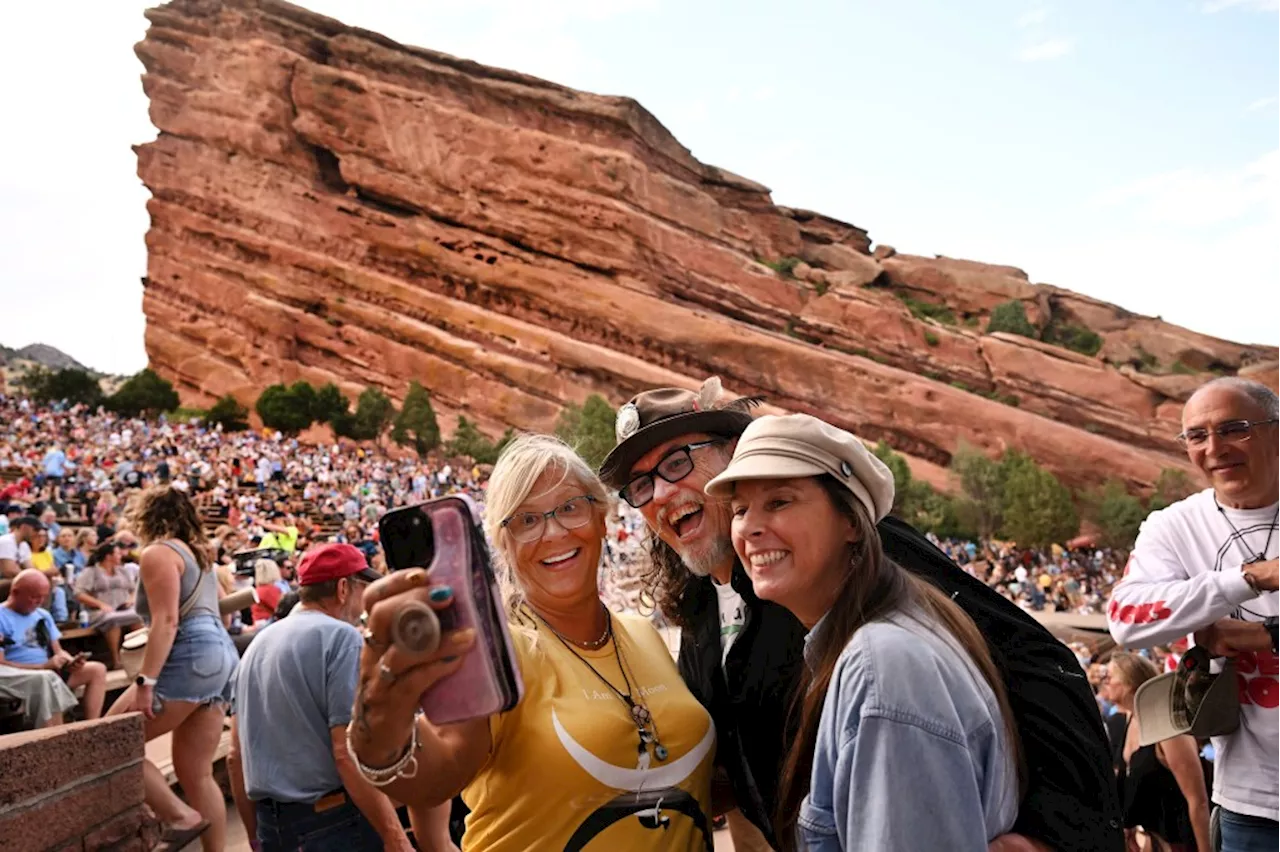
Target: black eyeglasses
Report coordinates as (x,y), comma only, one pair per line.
(1233,431)
(673,467)
(529,526)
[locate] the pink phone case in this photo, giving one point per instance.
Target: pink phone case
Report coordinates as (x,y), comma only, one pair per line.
(489,680)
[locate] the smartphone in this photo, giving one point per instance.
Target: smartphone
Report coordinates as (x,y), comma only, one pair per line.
(445,536)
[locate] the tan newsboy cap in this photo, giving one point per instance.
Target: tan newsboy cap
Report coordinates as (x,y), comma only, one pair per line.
(795,445)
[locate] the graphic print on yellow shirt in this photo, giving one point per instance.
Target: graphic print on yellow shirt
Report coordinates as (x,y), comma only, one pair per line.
(566,772)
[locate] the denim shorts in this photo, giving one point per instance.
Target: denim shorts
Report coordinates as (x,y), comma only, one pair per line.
(201,663)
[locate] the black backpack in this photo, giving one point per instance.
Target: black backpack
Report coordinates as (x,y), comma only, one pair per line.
(1071,800)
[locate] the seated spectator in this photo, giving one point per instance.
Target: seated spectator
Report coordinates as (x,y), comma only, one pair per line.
(42,561)
(108,592)
(66,558)
(266,582)
(29,638)
(43,693)
(15,547)
(107,528)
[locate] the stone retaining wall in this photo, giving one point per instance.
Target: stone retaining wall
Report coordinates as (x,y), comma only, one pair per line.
(75,787)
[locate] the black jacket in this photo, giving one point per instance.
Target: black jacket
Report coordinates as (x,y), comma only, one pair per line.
(1071,801)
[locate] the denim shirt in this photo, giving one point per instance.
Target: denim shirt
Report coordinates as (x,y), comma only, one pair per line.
(911,752)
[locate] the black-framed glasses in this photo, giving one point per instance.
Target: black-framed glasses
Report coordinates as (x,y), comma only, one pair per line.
(1233,432)
(571,514)
(672,467)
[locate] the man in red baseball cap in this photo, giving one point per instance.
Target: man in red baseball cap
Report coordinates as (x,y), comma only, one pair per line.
(293,693)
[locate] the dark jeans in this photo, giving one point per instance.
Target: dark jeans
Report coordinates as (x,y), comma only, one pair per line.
(1244,833)
(285,827)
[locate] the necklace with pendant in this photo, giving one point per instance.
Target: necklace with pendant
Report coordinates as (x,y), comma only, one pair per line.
(646,730)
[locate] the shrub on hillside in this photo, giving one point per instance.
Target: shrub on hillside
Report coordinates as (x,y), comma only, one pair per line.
(1011,317)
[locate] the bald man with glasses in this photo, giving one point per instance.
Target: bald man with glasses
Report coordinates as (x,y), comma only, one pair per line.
(1208,565)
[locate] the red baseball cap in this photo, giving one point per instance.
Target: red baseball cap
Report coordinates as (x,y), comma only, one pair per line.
(332,562)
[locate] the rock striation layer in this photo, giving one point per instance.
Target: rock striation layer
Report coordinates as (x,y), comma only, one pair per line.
(330,205)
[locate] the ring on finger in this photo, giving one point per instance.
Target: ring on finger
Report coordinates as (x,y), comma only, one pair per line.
(386,674)
(371,640)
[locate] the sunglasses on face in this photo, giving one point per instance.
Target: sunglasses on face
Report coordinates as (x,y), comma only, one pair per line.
(672,467)
(1233,432)
(530,526)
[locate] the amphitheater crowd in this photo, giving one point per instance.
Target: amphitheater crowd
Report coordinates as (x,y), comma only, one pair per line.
(299,524)
(79,466)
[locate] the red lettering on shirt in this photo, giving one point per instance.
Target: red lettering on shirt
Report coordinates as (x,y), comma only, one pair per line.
(1159,612)
(1242,688)
(1126,613)
(1268,663)
(1112,609)
(1265,692)
(1143,613)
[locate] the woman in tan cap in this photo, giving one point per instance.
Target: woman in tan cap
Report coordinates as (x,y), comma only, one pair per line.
(607,748)
(906,740)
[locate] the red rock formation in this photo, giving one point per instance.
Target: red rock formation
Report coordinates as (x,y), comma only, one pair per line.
(330,205)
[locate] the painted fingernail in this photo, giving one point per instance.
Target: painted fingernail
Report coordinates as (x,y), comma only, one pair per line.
(440,594)
(448,659)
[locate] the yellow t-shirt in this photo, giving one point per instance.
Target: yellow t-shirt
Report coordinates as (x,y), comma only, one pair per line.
(565,771)
(43,561)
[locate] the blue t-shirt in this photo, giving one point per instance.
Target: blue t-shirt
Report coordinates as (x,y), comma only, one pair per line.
(296,681)
(21,631)
(55,462)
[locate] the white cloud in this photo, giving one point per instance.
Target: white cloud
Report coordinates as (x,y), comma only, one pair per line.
(1261,104)
(1033,17)
(1052,48)
(1212,6)
(1196,246)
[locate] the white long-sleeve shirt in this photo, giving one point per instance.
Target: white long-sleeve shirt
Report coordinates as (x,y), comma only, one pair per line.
(1184,575)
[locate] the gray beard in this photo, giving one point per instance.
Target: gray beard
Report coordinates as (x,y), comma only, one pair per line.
(710,557)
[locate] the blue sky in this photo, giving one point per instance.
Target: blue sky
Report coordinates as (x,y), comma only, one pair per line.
(1129,150)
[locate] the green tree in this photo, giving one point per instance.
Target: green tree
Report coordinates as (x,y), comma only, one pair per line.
(468,440)
(304,396)
(1011,317)
(1037,509)
(899,468)
(282,407)
(982,480)
(68,384)
(143,393)
(416,424)
(228,412)
(588,428)
(330,404)
(374,413)
(1117,513)
(1172,485)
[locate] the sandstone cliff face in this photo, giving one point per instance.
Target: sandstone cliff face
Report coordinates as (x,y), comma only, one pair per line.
(332,206)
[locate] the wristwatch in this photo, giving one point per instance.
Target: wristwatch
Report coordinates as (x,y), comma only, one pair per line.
(143,680)
(1270,624)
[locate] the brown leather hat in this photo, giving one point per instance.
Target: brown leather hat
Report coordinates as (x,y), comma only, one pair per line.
(651,417)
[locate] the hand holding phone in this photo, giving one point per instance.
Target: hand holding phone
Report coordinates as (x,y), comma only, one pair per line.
(444,536)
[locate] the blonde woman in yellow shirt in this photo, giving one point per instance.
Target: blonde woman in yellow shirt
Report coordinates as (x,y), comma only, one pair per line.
(607,750)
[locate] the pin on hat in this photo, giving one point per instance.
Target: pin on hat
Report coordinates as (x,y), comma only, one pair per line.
(652,417)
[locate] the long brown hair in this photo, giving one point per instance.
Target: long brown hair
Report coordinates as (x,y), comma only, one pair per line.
(874,587)
(163,512)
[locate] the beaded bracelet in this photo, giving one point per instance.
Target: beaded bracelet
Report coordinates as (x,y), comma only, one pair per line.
(406,767)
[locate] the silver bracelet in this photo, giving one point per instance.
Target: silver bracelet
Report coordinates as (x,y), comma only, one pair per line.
(406,767)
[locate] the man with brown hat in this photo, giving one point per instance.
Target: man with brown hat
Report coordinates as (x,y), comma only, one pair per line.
(742,657)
